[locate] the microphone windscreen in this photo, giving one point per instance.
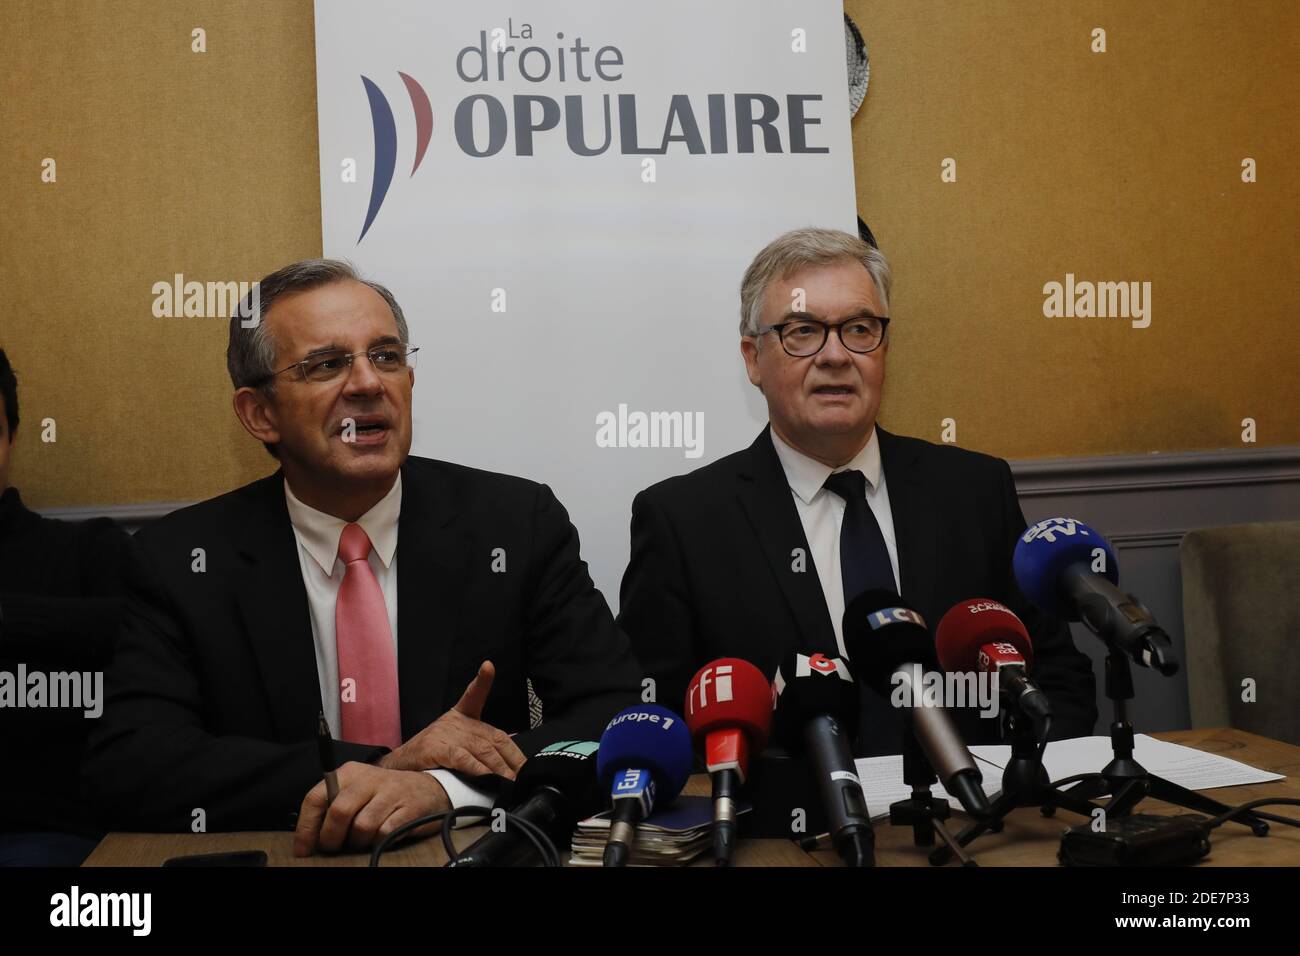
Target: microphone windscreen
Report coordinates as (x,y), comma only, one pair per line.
(1046,549)
(970,625)
(651,738)
(808,686)
(730,693)
(881,633)
(568,766)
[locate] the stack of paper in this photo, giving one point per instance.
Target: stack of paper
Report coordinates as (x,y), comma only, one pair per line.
(671,836)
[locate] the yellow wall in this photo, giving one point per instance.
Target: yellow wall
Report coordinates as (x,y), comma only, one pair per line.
(168,161)
(1115,166)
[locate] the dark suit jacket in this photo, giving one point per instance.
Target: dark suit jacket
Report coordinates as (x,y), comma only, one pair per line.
(212,699)
(62,599)
(711,573)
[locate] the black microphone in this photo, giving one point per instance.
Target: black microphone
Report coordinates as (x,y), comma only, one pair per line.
(890,647)
(555,788)
(817,707)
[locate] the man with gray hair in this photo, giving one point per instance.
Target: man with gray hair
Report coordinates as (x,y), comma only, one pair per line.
(758,554)
(403,603)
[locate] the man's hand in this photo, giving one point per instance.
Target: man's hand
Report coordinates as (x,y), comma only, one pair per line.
(371,803)
(459,741)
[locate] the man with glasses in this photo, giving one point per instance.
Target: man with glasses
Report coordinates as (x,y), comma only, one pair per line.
(407,602)
(759,553)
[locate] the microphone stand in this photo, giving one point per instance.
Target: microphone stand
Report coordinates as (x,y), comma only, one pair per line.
(1124,779)
(921,811)
(1024,784)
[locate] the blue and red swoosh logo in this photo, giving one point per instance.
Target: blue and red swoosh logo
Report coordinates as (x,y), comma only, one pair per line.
(381,119)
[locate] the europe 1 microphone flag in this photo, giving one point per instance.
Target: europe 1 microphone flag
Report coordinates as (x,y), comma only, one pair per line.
(729,714)
(644,758)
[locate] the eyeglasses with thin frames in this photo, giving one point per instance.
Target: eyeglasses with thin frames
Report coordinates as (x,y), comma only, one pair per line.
(327,366)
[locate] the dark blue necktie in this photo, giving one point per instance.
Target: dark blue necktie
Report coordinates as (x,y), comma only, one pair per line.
(864,559)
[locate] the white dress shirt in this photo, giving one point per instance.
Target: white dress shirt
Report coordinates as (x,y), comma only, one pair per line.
(318,537)
(821,512)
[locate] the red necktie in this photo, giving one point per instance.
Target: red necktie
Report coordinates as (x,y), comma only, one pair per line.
(368,700)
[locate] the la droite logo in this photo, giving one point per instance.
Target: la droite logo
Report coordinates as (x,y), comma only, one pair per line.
(381,119)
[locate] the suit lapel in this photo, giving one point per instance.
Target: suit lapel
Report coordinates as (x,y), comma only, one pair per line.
(273,604)
(766,498)
(916,530)
(431,573)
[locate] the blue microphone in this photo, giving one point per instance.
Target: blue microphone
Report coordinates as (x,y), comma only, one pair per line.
(1069,571)
(644,758)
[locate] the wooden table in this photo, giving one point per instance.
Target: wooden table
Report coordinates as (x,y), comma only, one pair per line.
(1029,839)
(151,849)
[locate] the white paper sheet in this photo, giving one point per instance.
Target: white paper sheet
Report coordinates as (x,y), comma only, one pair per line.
(882,777)
(1186,766)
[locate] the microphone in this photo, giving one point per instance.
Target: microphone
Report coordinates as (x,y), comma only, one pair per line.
(891,647)
(555,788)
(817,706)
(729,715)
(1070,571)
(644,757)
(986,636)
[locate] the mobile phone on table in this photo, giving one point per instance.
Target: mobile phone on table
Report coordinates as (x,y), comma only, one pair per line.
(237,858)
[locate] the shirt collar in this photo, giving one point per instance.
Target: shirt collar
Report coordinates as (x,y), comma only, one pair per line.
(319,532)
(807,475)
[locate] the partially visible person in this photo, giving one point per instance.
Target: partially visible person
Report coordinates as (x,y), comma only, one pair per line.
(62,590)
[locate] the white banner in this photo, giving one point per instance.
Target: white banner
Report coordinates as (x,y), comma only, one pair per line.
(563,197)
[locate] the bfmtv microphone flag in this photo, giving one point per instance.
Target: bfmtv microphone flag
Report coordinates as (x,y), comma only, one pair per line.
(564,197)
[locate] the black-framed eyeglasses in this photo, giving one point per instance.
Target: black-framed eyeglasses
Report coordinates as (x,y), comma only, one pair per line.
(802,336)
(326,366)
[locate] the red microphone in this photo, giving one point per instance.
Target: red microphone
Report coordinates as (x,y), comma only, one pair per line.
(986,636)
(729,714)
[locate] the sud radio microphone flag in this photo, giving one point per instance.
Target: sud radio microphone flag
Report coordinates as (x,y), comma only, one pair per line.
(644,759)
(555,788)
(986,636)
(1070,571)
(817,715)
(890,645)
(729,715)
